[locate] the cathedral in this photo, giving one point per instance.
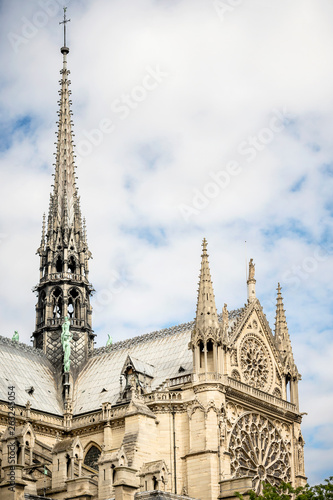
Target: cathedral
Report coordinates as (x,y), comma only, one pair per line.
(197,411)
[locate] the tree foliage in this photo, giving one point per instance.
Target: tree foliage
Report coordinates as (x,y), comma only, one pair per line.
(286,492)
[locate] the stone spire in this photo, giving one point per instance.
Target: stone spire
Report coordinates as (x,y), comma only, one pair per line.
(206,315)
(281,333)
(206,337)
(64,289)
(65,220)
(251,282)
(283,343)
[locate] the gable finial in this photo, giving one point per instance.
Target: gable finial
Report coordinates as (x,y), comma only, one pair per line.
(64,22)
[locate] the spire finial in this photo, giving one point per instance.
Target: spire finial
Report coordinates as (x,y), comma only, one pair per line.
(64,49)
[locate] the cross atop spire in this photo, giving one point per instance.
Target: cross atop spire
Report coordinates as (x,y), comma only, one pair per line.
(64,49)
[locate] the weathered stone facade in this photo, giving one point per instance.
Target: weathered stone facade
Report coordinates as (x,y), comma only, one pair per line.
(195,411)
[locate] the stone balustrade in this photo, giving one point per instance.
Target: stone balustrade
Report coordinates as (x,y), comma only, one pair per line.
(239,386)
(63,276)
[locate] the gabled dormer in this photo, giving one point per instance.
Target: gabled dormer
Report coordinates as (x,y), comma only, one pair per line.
(137,376)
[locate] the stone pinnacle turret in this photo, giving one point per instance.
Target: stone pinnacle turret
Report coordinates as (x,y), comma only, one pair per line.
(281,333)
(206,315)
(206,337)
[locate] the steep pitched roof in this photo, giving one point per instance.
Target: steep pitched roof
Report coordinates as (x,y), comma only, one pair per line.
(167,350)
(27,369)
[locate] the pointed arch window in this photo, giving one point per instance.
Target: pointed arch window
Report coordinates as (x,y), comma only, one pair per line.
(74,304)
(57,303)
(59,265)
(71,265)
(92,456)
(42,307)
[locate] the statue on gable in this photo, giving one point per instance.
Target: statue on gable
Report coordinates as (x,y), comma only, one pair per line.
(66,338)
(15,337)
(109,341)
(251,269)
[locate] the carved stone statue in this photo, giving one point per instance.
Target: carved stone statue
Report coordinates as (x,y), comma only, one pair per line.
(16,336)
(109,341)
(66,338)
(300,456)
(251,269)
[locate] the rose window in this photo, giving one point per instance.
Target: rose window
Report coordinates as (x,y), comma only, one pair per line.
(257,450)
(255,363)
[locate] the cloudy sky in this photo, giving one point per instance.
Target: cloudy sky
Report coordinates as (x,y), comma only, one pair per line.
(192,118)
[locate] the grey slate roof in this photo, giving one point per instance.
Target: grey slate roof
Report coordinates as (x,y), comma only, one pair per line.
(25,367)
(167,350)
(159,354)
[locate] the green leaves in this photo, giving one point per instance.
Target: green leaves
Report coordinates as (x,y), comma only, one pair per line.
(287,492)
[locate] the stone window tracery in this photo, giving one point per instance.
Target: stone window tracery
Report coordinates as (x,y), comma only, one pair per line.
(74,304)
(257,450)
(255,363)
(92,456)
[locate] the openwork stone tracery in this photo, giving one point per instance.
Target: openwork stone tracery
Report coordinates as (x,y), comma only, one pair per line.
(255,363)
(257,450)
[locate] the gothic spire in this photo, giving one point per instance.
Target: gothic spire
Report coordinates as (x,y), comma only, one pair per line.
(63,289)
(281,333)
(206,315)
(65,214)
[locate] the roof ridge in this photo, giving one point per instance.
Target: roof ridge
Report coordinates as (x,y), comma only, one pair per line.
(21,346)
(164,332)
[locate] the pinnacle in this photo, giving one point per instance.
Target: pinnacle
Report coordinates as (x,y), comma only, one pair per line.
(206,315)
(281,328)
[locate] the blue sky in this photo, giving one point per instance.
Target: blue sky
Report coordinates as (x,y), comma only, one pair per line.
(192,118)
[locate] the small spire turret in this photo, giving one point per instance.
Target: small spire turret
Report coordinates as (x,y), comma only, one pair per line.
(283,343)
(206,315)
(281,333)
(206,337)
